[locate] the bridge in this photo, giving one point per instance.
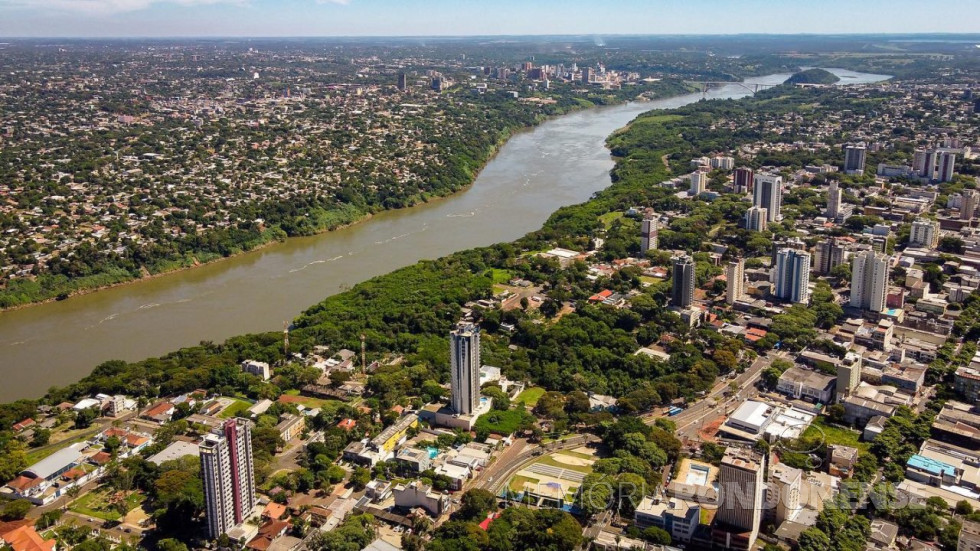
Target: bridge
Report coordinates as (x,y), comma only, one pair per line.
(750,86)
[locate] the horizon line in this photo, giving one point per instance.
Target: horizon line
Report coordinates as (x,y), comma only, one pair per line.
(472,36)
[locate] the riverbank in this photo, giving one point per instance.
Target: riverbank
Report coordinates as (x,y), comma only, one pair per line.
(73,288)
(561,162)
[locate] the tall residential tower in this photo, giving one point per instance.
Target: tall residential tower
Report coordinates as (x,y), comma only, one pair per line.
(682,294)
(229,476)
(464,375)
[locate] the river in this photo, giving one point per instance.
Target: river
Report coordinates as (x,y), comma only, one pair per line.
(561,162)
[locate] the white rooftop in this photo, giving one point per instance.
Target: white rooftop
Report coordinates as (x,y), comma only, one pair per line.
(752,414)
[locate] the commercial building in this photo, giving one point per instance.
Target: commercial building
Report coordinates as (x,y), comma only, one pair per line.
(736,523)
(966,381)
(464,355)
(828,254)
(925,233)
(414,459)
(677,517)
(869,281)
(416,494)
(791,276)
(855,155)
(229,476)
(833,200)
(767,192)
(682,292)
(648,234)
(804,384)
(735,276)
(756,218)
(969,536)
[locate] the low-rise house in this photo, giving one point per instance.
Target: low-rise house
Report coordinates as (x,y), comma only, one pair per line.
(842,460)
(414,460)
(161,412)
(291,426)
(21,536)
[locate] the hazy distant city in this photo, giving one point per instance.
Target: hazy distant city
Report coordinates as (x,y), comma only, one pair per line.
(603,292)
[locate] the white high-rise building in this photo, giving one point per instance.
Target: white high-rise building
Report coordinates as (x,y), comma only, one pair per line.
(229,476)
(741,489)
(735,274)
(869,281)
(756,218)
(648,234)
(698,182)
(464,375)
(833,200)
(767,192)
(791,276)
(925,233)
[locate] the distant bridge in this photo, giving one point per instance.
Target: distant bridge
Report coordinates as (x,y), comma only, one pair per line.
(750,86)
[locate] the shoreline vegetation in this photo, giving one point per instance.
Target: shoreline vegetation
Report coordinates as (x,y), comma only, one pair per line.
(408,323)
(345,216)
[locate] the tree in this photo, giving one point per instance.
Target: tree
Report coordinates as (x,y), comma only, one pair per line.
(84,418)
(814,539)
(656,535)
(15,510)
(835,413)
(360,478)
(41,438)
(171,544)
(476,503)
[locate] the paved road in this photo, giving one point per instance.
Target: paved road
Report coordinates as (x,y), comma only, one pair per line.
(505,467)
(715,403)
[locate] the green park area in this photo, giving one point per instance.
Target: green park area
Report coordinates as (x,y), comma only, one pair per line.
(530,396)
(107,504)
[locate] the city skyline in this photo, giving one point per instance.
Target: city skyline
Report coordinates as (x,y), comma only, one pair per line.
(359,18)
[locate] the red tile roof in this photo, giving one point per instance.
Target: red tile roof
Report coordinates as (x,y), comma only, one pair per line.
(25,538)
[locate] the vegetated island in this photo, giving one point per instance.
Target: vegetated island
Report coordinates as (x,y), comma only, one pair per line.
(813,76)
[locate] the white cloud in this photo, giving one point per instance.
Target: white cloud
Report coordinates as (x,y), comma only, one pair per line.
(107,6)
(340,2)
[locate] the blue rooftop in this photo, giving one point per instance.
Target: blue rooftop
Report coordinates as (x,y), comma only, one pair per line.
(931,466)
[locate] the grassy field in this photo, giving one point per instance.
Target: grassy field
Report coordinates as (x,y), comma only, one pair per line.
(236,409)
(97,504)
(610,217)
(836,435)
(501,276)
(531,395)
(517,483)
(313,403)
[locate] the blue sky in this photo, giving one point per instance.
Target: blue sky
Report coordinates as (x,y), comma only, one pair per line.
(478,17)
